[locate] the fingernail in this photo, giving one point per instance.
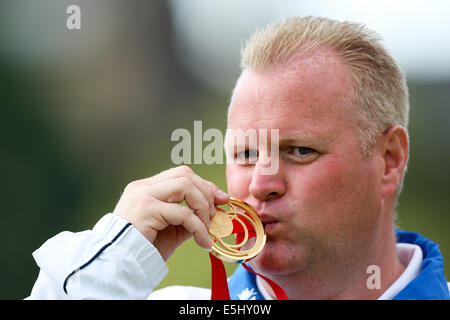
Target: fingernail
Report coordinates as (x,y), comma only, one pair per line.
(221,194)
(212,210)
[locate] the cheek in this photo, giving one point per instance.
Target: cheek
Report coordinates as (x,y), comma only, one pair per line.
(330,180)
(325,178)
(333,191)
(238,180)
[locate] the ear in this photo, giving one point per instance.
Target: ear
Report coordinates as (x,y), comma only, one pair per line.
(395,148)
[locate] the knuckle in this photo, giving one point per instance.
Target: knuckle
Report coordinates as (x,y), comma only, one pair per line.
(184,182)
(132,185)
(149,201)
(197,225)
(207,192)
(184,170)
(186,212)
(205,204)
(212,188)
(188,218)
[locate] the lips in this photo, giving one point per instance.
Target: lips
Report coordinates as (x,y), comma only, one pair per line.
(268,221)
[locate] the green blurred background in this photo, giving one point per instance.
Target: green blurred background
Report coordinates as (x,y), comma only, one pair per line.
(84,112)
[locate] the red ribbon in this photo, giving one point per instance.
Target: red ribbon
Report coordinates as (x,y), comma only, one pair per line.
(219,284)
(277,290)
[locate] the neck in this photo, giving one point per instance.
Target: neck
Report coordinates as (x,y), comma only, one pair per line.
(367,281)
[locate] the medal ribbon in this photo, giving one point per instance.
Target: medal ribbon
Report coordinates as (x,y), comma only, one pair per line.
(219,284)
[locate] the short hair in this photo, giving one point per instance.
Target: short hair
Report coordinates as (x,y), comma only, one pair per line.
(378,84)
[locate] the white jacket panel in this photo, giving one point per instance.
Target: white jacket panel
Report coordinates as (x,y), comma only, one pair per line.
(111,261)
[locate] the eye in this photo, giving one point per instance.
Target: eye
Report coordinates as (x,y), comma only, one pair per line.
(302,151)
(246,156)
(301,155)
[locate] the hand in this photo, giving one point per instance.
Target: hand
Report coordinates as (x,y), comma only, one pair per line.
(153,206)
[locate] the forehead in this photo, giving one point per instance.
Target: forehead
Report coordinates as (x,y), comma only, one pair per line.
(308,93)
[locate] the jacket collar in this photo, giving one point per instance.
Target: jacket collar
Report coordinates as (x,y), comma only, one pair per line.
(430,284)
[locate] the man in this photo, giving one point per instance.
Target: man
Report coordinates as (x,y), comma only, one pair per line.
(340,103)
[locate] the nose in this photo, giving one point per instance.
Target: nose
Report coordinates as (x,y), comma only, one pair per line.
(266,187)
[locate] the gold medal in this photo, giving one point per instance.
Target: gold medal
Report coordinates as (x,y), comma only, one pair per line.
(249,226)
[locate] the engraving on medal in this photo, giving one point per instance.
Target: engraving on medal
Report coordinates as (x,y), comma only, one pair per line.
(248,226)
(221,225)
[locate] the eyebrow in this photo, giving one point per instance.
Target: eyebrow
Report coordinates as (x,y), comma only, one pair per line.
(293,138)
(297,137)
(301,137)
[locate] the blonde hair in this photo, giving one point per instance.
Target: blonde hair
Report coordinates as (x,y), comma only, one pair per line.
(379,86)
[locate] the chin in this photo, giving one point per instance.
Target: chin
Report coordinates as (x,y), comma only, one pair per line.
(279,259)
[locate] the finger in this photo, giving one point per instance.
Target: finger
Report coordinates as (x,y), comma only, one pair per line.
(211,192)
(220,197)
(175,214)
(178,189)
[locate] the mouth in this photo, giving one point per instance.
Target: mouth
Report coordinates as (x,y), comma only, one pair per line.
(268,222)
